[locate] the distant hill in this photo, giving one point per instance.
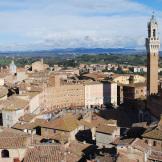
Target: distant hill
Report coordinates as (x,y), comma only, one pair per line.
(94,50)
(72,51)
(75,51)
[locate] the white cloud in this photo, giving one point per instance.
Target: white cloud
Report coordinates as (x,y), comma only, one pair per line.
(73,23)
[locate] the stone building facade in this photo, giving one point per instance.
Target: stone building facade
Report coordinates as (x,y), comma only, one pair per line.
(134,91)
(126,78)
(93,94)
(39,66)
(61,94)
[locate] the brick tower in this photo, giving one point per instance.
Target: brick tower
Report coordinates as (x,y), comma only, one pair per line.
(152,47)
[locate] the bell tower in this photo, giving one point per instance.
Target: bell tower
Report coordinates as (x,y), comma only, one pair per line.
(152,47)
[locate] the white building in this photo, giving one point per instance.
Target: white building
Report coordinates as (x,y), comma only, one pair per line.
(97,93)
(13,68)
(35,100)
(12,109)
(93,94)
(21,75)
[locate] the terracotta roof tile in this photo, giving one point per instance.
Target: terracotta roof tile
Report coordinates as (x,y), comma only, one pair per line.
(27,117)
(58,136)
(14,103)
(153,134)
(44,153)
(10,138)
(24,126)
(140,145)
(66,123)
(106,129)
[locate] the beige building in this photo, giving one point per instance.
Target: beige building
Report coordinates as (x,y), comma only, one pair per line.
(70,71)
(39,66)
(66,126)
(134,91)
(127,78)
(61,94)
(152,46)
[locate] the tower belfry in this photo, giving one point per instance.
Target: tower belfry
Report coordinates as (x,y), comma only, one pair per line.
(152,47)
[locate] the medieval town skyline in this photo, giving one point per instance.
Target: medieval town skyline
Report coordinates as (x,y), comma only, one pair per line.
(89,104)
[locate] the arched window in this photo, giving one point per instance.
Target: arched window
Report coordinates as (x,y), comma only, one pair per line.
(154,33)
(5,154)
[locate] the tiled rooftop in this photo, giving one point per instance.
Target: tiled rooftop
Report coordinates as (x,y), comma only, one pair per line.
(24,126)
(106,129)
(140,145)
(27,117)
(153,134)
(10,138)
(155,155)
(14,103)
(44,153)
(58,136)
(124,141)
(66,123)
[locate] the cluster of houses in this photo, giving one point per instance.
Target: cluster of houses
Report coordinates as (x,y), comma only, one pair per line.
(52,114)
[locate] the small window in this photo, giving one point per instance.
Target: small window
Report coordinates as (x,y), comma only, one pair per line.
(154,143)
(146,141)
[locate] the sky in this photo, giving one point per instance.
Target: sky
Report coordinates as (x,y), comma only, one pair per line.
(49,24)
